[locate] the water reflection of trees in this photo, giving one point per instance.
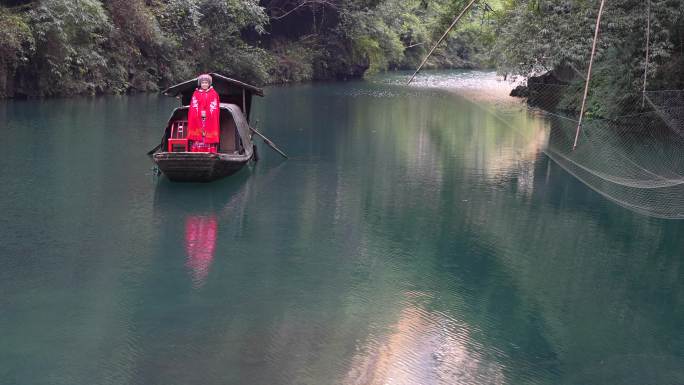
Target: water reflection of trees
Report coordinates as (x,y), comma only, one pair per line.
(586,272)
(430,242)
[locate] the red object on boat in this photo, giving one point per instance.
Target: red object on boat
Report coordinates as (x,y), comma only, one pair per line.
(178,141)
(204,104)
(204,147)
(178,145)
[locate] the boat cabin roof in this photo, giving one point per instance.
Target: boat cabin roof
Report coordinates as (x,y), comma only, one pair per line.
(229,90)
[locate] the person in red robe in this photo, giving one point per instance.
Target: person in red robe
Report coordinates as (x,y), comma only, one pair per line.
(203,117)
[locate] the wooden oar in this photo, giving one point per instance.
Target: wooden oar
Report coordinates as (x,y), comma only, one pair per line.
(149,153)
(268,141)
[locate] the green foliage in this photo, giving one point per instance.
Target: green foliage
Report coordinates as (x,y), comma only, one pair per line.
(218,45)
(470,43)
(373,36)
(69,54)
(393,34)
(51,47)
(95,46)
(16,46)
(540,36)
(180,20)
(295,60)
(535,37)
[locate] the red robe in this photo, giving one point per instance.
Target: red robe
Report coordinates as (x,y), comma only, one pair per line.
(207,101)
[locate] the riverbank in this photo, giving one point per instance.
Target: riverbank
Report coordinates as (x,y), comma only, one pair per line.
(93,47)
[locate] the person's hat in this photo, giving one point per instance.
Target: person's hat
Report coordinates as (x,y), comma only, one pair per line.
(202,77)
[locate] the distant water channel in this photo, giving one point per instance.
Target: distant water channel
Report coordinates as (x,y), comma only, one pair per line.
(413,237)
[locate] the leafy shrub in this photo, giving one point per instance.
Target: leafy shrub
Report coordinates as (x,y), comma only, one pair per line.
(294,60)
(69,57)
(16,47)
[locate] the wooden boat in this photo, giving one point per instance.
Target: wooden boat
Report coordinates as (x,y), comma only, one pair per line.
(235,147)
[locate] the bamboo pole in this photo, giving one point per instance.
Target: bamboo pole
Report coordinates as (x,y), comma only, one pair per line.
(648,42)
(586,85)
(442,38)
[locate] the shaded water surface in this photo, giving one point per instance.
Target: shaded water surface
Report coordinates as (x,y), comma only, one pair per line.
(412,238)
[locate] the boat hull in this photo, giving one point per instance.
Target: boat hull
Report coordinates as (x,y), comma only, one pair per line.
(199,166)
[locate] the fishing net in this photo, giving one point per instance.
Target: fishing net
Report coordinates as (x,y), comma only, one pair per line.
(670,107)
(636,160)
(634,153)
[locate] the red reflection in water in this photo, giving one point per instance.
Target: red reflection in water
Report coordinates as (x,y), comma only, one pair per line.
(200,245)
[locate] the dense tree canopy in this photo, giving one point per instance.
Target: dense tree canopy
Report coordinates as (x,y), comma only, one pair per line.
(537,36)
(51,47)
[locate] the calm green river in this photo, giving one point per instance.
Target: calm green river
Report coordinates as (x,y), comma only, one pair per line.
(413,237)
